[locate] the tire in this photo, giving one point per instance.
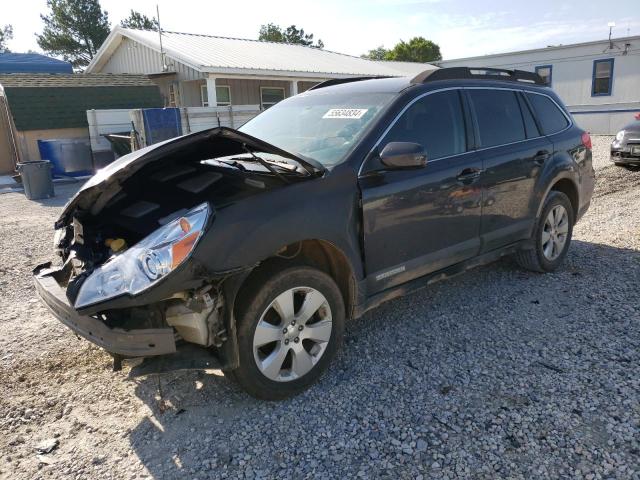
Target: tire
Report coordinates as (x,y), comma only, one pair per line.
(628,166)
(541,258)
(307,347)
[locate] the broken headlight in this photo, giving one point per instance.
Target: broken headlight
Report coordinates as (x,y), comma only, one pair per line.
(147,262)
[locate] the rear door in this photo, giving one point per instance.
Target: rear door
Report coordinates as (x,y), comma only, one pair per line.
(421,220)
(513,153)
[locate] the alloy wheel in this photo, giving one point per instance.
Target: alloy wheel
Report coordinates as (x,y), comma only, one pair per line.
(555,232)
(292,334)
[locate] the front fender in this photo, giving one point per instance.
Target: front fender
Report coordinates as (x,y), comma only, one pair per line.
(256,228)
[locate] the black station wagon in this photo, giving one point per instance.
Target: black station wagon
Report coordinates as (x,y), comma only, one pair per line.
(258,243)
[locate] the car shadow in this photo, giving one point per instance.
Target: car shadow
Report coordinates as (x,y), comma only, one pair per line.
(437,345)
(62,194)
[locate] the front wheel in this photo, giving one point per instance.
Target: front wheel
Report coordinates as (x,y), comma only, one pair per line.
(290,326)
(551,237)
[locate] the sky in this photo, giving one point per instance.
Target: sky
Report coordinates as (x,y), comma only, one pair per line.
(462,28)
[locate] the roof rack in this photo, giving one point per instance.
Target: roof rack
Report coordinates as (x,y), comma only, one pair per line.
(338,81)
(478,73)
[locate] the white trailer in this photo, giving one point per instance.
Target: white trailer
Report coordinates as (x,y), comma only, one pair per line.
(598,81)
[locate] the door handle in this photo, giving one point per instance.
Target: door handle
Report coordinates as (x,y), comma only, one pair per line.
(541,157)
(468,175)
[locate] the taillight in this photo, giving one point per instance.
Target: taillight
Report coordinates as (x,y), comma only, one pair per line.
(637,115)
(586,140)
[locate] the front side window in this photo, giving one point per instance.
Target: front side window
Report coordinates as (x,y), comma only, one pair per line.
(602,82)
(436,122)
(321,125)
(498,116)
(544,71)
(269,96)
(550,118)
(223,95)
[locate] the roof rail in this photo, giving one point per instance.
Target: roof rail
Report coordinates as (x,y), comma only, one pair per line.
(338,81)
(459,73)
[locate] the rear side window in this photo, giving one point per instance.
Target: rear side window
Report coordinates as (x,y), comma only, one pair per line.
(550,117)
(529,123)
(436,122)
(498,115)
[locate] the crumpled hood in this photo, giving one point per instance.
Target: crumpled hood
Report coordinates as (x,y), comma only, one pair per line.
(102,186)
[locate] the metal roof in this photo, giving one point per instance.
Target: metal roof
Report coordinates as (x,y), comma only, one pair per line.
(207,53)
(44,80)
(32,63)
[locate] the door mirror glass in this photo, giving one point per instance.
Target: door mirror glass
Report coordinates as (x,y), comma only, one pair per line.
(403,155)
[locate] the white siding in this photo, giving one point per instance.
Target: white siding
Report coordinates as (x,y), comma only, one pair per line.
(244,91)
(196,119)
(572,72)
(106,121)
(133,57)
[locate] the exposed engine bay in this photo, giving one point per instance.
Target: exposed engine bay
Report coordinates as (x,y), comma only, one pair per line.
(123,234)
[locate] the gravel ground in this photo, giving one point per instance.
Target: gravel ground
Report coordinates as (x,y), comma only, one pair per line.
(496,373)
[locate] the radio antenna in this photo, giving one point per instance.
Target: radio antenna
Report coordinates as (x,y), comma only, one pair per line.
(164,63)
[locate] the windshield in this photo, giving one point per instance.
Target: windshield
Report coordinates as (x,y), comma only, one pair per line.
(320,126)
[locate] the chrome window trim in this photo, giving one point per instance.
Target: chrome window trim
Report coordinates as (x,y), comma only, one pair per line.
(419,97)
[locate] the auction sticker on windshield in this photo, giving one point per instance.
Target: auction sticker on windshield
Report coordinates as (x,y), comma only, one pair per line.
(354,113)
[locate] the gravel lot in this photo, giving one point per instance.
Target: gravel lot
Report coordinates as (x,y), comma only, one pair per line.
(497,373)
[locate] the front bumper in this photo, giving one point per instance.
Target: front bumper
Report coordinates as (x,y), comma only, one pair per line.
(626,154)
(127,343)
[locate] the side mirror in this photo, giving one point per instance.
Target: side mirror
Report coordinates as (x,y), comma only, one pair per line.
(403,155)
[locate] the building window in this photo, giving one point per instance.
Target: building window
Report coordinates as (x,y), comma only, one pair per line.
(269,96)
(602,81)
(544,71)
(223,95)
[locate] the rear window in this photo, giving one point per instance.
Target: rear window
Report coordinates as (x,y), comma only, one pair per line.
(550,117)
(499,117)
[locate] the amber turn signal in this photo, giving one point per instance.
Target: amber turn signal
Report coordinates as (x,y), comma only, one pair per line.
(181,249)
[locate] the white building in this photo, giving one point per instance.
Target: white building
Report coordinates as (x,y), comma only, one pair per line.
(598,81)
(203,70)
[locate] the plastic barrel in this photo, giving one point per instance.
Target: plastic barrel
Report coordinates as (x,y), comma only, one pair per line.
(36,179)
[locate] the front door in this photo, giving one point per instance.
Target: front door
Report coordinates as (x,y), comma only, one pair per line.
(420,220)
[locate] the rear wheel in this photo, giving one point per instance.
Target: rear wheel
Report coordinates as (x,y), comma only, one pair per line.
(551,236)
(290,327)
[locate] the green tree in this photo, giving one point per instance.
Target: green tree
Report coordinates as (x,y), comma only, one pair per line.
(74,30)
(6,34)
(418,49)
(376,54)
(140,21)
(274,33)
(271,33)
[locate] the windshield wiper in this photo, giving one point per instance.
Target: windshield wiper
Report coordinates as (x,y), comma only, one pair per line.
(234,164)
(265,164)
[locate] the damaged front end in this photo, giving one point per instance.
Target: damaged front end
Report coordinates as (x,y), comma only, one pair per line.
(128,279)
